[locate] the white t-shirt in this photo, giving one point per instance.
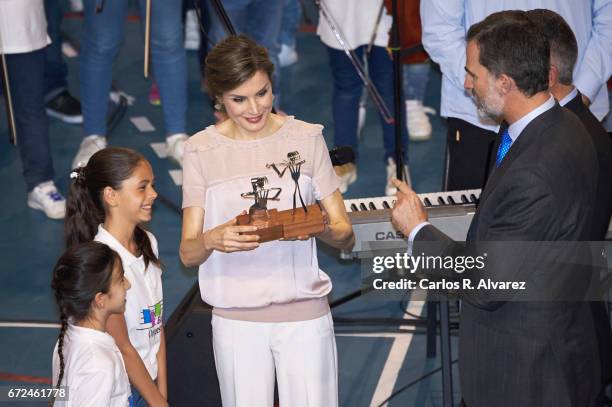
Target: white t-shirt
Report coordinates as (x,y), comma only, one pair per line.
(23,27)
(93,372)
(145,305)
(356,19)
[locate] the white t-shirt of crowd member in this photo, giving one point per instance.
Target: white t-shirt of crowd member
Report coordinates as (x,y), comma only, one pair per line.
(94,373)
(144,304)
(23,27)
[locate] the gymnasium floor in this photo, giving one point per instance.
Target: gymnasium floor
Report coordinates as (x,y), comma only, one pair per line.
(373,364)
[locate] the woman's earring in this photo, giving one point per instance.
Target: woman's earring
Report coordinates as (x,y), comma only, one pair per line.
(217,106)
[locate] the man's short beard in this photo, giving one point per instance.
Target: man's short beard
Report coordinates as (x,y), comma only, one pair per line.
(492,105)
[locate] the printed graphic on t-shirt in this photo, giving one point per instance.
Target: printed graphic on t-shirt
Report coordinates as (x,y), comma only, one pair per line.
(151,318)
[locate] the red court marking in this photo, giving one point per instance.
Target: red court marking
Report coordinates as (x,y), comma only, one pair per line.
(77,15)
(11,377)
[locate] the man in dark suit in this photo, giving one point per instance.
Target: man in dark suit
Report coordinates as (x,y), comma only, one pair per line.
(542,189)
(563,54)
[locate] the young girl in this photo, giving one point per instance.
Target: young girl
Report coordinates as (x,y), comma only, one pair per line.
(271,315)
(108,200)
(89,287)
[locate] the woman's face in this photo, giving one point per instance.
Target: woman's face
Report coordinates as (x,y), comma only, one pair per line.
(249,105)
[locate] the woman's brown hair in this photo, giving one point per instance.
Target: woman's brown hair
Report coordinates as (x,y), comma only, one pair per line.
(233,61)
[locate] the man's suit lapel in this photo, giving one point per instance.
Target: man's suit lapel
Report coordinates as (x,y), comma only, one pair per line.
(526,138)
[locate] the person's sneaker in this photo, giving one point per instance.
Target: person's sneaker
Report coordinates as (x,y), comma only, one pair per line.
(154,97)
(419,127)
(192,31)
(347,174)
(175,147)
(390,189)
(45,197)
(89,146)
(65,107)
(76,5)
(287,56)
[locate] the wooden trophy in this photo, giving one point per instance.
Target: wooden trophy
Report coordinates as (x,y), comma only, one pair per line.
(288,224)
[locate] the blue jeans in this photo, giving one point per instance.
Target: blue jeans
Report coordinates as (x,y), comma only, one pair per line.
(26,76)
(55,66)
(292,14)
(102,37)
(260,20)
(347,93)
(136,399)
(415,80)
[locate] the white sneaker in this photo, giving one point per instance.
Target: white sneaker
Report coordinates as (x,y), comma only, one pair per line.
(76,5)
(390,190)
(89,146)
(287,56)
(419,127)
(45,197)
(192,31)
(175,147)
(347,174)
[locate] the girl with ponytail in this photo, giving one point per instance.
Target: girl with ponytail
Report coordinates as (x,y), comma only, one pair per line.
(109,199)
(89,287)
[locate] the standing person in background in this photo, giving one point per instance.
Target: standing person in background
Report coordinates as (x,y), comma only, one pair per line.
(470,134)
(416,68)
(258,19)
(59,101)
(271,316)
(89,286)
(23,39)
(109,200)
(357,21)
(101,41)
(292,15)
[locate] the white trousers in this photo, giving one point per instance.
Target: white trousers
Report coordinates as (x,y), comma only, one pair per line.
(303,355)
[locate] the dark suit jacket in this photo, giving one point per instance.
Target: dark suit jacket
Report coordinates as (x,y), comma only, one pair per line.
(603,146)
(601,219)
(528,353)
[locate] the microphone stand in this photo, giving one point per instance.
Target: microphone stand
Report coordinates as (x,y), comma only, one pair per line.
(398,96)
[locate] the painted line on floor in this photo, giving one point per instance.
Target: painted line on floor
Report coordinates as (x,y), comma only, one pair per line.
(12,377)
(177,176)
(397,353)
(160,149)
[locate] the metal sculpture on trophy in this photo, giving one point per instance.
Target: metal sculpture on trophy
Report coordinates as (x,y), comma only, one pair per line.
(288,224)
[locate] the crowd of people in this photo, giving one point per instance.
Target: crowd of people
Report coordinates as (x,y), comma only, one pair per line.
(517,87)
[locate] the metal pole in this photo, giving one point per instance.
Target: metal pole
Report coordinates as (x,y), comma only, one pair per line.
(398,96)
(147,47)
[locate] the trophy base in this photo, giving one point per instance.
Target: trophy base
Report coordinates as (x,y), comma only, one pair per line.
(289,224)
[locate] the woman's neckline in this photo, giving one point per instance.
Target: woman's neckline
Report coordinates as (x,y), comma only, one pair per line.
(271,136)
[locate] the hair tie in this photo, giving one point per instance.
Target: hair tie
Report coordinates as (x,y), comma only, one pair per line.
(78,174)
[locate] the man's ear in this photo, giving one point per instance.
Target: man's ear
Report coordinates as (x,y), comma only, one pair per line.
(505,83)
(110,196)
(553,76)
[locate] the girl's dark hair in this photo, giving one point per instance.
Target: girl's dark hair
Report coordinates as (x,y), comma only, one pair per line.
(233,61)
(85,209)
(83,271)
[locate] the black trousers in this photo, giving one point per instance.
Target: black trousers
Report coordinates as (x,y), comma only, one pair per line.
(470,152)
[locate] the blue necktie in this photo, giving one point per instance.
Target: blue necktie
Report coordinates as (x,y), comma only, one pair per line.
(503,148)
